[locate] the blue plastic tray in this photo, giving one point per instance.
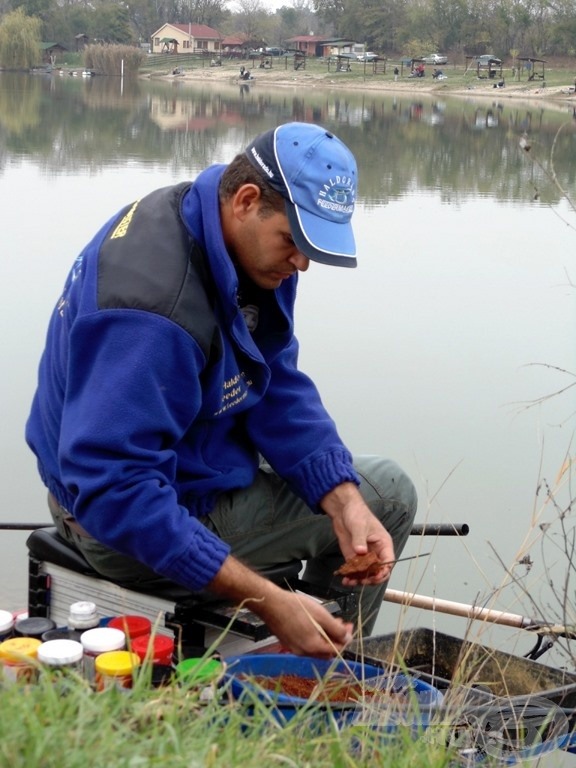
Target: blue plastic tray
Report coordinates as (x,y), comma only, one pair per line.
(421,697)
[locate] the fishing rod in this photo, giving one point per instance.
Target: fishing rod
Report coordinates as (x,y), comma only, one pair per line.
(440,529)
(427,529)
(24,526)
(478,613)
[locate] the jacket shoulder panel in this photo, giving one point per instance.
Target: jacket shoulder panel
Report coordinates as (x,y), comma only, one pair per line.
(148,261)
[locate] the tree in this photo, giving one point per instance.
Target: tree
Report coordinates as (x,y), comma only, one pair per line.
(110,23)
(252,19)
(37,8)
(19,41)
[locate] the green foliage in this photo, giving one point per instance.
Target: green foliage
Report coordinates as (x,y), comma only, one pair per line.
(19,41)
(39,8)
(110,24)
(113,59)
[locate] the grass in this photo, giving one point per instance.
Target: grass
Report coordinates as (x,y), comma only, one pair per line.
(47,725)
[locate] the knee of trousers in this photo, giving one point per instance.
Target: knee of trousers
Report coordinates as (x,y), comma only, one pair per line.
(390,494)
(384,479)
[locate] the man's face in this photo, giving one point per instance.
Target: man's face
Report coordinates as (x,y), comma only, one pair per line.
(263,247)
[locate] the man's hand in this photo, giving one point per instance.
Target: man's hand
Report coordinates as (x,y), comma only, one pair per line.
(358,531)
(301,624)
(304,626)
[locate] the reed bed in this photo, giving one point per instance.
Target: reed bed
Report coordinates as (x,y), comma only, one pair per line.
(114,59)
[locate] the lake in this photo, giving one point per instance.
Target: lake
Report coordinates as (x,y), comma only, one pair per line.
(451,348)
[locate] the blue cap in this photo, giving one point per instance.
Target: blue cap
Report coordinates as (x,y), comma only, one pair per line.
(316,174)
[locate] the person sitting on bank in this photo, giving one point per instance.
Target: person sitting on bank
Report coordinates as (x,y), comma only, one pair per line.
(177,437)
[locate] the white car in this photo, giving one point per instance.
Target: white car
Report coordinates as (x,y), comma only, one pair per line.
(435,58)
(368,56)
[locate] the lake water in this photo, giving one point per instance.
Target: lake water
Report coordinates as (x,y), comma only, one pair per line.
(443,350)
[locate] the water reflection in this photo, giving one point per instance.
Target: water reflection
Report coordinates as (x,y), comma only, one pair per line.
(63,123)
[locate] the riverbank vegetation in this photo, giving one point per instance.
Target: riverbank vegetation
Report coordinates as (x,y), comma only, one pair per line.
(46,725)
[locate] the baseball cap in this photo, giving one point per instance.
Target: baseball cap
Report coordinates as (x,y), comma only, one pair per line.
(316,174)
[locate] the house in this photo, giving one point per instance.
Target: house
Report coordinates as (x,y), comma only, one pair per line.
(233,45)
(311,45)
(81,41)
(186,38)
(50,51)
(320,45)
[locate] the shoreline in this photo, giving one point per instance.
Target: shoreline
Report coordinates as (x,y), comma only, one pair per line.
(331,81)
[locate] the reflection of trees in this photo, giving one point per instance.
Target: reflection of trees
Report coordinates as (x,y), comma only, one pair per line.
(20,104)
(458,148)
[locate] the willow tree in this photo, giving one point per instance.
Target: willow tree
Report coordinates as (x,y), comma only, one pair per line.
(19,40)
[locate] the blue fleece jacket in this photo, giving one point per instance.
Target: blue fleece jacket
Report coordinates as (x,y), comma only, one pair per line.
(140,420)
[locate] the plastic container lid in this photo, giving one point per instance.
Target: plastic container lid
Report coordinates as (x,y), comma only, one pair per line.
(61,633)
(33,626)
(83,615)
(103,639)
(6,622)
(159,648)
(19,650)
(199,671)
(117,663)
(57,653)
(133,626)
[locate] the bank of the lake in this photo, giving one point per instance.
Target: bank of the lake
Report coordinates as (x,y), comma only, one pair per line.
(558,85)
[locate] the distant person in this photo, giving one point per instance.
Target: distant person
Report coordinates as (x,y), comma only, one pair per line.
(177,436)
(396,73)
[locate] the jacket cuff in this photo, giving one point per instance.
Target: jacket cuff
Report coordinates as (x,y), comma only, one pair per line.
(322,474)
(200,562)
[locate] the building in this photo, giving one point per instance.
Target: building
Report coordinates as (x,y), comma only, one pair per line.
(50,51)
(234,45)
(320,45)
(186,38)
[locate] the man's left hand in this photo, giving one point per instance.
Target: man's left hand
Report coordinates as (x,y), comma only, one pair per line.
(358,531)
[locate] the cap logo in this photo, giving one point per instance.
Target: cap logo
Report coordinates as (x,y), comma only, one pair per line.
(338,195)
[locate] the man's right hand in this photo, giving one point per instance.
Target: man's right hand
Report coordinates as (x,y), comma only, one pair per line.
(301,624)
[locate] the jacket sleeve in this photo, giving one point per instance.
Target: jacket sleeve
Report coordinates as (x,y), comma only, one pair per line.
(133,391)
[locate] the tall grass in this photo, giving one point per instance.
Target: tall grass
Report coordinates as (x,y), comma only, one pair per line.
(114,59)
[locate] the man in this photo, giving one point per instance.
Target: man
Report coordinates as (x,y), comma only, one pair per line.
(173,430)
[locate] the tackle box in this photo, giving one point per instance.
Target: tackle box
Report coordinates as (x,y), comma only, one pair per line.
(453,664)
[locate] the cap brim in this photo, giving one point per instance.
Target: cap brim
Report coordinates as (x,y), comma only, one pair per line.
(325,242)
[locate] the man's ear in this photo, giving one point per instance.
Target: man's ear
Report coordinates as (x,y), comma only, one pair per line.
(245,200)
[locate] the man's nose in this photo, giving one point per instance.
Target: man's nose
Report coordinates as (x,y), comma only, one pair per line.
(300,261)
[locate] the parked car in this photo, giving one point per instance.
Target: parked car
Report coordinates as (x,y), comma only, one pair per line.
(367,56)
(435,58)
(274,51)
(486,59)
